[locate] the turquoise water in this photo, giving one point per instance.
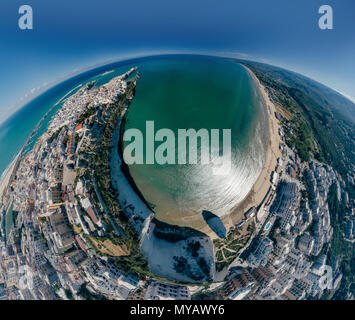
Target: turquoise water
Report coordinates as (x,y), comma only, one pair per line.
(267,226)
(199,92)
(18,127)
(176,92)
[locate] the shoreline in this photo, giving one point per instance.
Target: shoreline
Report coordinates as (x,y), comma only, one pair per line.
(6,175)
(129,197)
(257,194)
(123,166)
(259,191)
(129,200)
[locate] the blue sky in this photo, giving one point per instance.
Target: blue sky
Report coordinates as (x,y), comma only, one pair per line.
(71,35)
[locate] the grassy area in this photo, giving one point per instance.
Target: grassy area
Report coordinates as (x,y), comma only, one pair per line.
(227,250)
(106,246)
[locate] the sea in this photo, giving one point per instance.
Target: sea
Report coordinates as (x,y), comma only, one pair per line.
(176,92)
(18,127)
(199,92)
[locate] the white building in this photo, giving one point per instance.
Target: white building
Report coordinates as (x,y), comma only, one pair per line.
(165,291)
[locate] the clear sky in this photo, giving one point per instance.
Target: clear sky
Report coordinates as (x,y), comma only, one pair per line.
(72,34)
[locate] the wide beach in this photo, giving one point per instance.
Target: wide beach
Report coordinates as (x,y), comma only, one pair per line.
(260,189)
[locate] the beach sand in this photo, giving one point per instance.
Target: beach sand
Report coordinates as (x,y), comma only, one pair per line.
(263,183)
(259,190)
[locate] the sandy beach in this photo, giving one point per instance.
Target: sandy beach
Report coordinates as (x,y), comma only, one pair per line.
(256,194)
(263,183)
(260,188)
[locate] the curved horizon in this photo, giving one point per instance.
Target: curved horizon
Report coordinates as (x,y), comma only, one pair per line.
(103,66)
(133,56)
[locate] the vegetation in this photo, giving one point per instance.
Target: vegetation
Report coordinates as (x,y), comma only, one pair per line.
(228,249)
(341,250)
(68,294)
(88,113)
(54,136)
(133,261)
(319,125)
(193,247)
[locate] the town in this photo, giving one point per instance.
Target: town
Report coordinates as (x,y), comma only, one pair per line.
(62,235)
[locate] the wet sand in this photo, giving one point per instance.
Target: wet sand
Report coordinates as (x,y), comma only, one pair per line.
(263,183)
(259,190)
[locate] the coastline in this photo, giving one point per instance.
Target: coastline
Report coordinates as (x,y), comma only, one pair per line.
(128,195)
(8,172)
(255,195)
(262,185)
(130,201)
(260,190)
(253,199)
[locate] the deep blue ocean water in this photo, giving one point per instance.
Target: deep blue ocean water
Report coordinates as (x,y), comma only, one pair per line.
(18,127)
(176,91)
